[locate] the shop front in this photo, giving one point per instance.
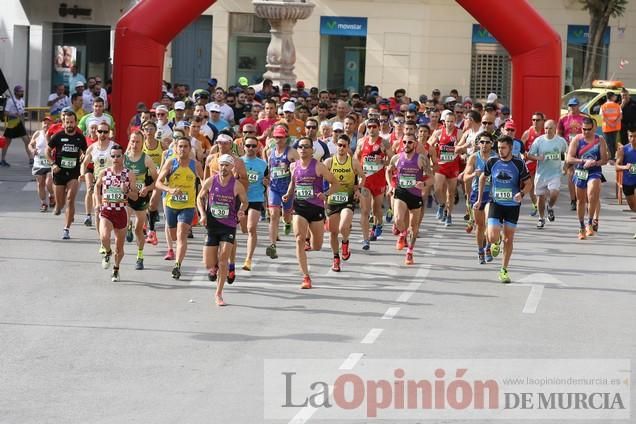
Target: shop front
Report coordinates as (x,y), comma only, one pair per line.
(343,42)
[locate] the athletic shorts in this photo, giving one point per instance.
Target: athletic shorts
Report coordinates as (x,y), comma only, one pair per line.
(174,216)
(506,215)
(376,183)
(275,200)
(449,170)
(485,199)
(119,218)
(218,233)
(583,183)
(40,171)
(63,177)
(412,201)
(337,208)
(628,190)
(141,204)
(542,186)
(257,206)
(15,132)
(311,213)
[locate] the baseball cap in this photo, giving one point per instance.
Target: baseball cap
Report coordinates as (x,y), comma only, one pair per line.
(492,98)
(47,117)
(224,138)
(300,84)
(79,84)
(505,110)
(243,81)
(279,132)
(510,124)
(214,107)
(18,88)
(289,107)
(161,108)
(573,102)
(199,93)
(412,107)
(450,99)
(226,159)
(179,105)
(182,124)
(212,82)
(445,114)
(337,126)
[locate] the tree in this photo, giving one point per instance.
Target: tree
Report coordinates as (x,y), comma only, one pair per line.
(600,13)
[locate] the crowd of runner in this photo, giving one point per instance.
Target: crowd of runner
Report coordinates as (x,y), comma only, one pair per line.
(241,158)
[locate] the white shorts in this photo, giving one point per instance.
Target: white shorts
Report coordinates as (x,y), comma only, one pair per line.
(542,186)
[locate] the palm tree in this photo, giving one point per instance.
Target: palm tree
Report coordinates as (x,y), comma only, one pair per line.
(600,12)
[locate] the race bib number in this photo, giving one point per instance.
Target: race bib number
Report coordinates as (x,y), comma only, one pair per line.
(552,156)
(407,181)
(220,211)
(304,192)
(447,156)
(503,194)
(114,194)
(252,177)
(68,163)
(183,197)
(581,174)
(370,168)
(41,162)
(139,185)
(632,168)
(340,197)
(280,172)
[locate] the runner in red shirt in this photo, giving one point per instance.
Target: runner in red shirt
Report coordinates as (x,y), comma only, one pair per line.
(527,138)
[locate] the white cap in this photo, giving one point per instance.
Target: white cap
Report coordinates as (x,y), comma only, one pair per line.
(492,98)
(226,159)
(79,84)
(338,126)
(289,107)
(179,105)
(213,107)
(450,99)
(161,108)
(445,114)
(224,138)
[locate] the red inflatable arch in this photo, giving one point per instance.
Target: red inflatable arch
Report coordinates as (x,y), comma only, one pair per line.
(144,32)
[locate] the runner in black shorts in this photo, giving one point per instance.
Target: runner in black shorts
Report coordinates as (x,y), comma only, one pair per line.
(69,146)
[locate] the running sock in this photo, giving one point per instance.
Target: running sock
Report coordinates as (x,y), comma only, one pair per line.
(231,267)
(153,217)
(336,256)
(589,222)
(140,254)
(582,222)
(481,250)
(177,264)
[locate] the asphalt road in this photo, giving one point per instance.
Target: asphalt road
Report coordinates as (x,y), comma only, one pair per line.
(77,348)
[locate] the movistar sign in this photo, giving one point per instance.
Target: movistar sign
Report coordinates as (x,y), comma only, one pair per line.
(345,26)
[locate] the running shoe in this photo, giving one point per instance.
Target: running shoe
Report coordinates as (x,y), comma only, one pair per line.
(482,258)
(4,163)
(271,251)
(57,211)
(582,234)
(115,276)
(169,256)
(190,235)
(495,248)
(219,301)
(372,236)
(394,230)
(635,235)
(212,274)
(129,233)
(43,207)
(449,221)
(102,250)
(88,221)
(503,276)
(534,210)
(231,276)
(247,265)
(389,215)
(66,234)
(176,272)
(572,205)
(489,257)
(589,231)
(152,238)
(378,231)
(444,216)
(541,223)
(401,243)
(409,259)
(366,245)
(51,201)
(262,218)
(140,264)
(595,225)
(346,253)
(440,213)
(335,266)
(306,284)
(469,226)
(551,216)
(106,259)
(288,228)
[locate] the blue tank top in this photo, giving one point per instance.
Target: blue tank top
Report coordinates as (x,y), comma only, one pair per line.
(585,151)
(280,175)
(480,164)
(255,168)
(506,178)
(629,158)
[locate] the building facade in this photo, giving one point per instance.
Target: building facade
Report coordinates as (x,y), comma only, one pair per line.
(414,44)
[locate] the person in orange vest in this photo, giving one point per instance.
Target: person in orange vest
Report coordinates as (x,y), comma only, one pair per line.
(611,114)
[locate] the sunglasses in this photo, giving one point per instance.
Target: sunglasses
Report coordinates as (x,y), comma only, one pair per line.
(487,123)
(116,156)
(311,127)
(304,146)
(409,142)
(249,132)
(250,146)
(102,131)
(587,129)
(485,142)
(341,145)
(398,122)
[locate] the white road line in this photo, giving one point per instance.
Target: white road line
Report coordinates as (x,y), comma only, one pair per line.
(30,186)
(533,299)
(404,297)
(372,336)
(351,361)
(303,415)
(390,313)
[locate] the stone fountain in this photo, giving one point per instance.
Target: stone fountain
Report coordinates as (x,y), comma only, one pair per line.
(281,53)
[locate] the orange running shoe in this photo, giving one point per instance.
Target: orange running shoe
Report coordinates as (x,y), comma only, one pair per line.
(306,282)
(590,231)
(582,234)
(346,253)
(401,242)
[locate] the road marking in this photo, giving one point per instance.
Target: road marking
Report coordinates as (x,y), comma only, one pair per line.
(303,415)
(533,300)
(390,313)
(351,361)
(537,282)
(30,186)
(372,336)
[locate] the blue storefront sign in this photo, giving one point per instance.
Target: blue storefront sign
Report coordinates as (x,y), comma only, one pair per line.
(481,35)
(343,26)
(580,34)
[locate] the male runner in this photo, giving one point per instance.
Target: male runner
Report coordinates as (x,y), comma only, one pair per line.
(569,127)
(527,138)
(97,155)
(626,162)
(154,149)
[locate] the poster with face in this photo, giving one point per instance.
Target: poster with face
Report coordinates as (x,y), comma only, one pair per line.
(63,58)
